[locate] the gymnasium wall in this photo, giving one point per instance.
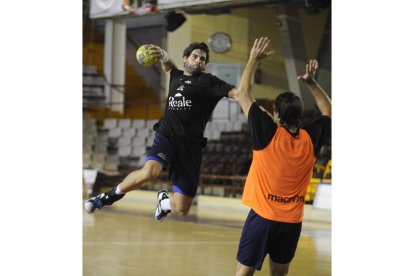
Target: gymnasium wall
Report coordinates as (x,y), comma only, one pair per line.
(244,25)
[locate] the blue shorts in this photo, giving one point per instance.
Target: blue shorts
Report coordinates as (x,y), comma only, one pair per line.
(261,236)
(183,161)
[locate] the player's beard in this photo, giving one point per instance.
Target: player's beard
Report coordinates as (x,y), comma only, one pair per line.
(193,69)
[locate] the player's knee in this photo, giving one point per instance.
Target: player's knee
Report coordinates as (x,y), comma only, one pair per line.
(182,210)
(279,270)
(181,204)
(243,270)
(181,207)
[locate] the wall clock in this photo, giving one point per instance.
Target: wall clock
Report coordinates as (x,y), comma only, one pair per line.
(219,42)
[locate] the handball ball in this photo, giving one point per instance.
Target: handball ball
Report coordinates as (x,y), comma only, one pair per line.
(144,57)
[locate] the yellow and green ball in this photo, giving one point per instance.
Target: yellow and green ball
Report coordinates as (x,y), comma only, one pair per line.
(144,57)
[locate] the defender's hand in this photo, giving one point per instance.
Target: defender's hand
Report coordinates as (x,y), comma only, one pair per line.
(258,51)
(311,68)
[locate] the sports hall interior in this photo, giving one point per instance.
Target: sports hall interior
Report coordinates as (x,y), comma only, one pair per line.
(120,106)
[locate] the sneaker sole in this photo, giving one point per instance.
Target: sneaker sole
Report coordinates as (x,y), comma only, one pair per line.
(88,206)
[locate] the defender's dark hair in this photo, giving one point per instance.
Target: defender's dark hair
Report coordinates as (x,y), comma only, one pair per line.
(289,106)
(197,45)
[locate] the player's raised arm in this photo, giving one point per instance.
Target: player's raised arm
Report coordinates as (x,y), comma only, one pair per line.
(162,55)
(244,94)
(322,99)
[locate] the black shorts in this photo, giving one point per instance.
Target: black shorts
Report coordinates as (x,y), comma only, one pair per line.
(183,161)
(261,236)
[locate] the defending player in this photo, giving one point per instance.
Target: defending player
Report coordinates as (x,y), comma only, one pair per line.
(283,160)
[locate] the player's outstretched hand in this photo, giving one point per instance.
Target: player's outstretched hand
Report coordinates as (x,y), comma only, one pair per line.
(258,51)
(311,68)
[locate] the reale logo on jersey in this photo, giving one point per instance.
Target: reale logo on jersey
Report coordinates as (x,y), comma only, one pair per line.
(178,102)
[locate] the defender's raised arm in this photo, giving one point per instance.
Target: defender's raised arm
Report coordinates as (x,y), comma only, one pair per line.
(244,94)
(322,99)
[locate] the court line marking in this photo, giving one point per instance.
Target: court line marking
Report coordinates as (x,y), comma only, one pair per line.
(161,242)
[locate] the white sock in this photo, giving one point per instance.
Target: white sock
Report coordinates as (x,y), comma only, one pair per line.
(165,204)
(118,190)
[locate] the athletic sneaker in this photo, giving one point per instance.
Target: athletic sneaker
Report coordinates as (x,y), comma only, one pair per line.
(102,200)
(159,213)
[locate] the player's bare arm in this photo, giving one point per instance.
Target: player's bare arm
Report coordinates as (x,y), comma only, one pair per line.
(232,93)
(322,99)
(244,94)
(162,55)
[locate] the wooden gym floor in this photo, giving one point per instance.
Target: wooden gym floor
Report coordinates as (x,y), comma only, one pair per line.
(121,242)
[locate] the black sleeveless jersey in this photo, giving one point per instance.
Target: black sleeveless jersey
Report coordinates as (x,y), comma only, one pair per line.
(190,103)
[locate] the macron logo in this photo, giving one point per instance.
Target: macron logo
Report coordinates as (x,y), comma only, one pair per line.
(178,102)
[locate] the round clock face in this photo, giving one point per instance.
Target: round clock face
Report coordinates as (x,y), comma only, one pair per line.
(220,42)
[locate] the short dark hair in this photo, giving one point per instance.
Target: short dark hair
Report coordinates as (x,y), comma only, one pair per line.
(289,106)
(196,45)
